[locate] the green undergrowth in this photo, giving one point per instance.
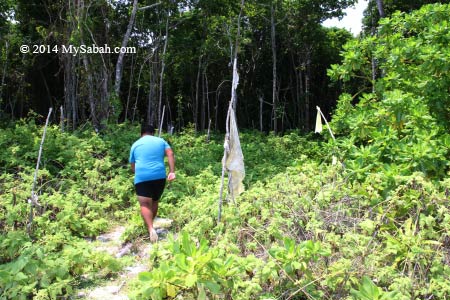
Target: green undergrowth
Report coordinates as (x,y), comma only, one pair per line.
(308,233)
(303,229)
(82,187)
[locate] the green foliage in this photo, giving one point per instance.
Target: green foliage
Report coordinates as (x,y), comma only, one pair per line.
(188,269)
(402,127)
(48,267)
(367,290)
(80,185)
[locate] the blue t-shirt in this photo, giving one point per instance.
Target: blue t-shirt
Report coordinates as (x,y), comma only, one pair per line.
(148,155)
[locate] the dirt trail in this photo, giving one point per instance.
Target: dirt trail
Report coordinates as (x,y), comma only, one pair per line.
(140,251)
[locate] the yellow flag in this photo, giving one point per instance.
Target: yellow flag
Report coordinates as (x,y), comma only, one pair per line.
(318,122)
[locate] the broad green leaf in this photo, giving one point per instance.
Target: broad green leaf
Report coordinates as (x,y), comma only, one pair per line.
(212,287)
(145,276)
(190,280)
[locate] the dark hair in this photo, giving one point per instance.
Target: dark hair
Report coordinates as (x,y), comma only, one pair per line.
(147,128)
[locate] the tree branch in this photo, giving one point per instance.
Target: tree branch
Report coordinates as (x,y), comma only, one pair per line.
(149,6)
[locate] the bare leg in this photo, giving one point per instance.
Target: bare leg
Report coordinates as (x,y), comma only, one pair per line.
(155,208)
(147,212)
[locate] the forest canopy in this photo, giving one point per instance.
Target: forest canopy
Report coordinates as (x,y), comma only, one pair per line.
(182,61)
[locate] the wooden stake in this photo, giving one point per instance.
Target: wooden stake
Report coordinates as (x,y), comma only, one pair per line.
(34,199)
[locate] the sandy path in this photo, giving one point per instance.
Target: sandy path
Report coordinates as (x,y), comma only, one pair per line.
(111,243)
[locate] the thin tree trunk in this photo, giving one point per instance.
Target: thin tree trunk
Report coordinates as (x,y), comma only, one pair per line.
(105,109)
(197,92)
(70,89)
(70,76)
(261,105)
(139,83)
(133,65)
(101,80)
(301,89)
(216,113)
(274,68)
(307,90)
(163,65)
(90,85)
(380,8)
(126,37)
(216,110)
(203,108)
(2,84)
(152,96)
(297,91)
(373,33)
(207,99)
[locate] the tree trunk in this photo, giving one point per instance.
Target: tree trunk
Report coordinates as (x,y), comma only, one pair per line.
(301,89)
(203,108)
(373,33)
(126,37)
(2,83)
(86,62)
(151,111)
(197,92)
(380,8)
(260,113)
(274,69)
(207,99)
(163,65)
(127,106)
(70,83)
(307,90)
(216,108)
(149,57)
(70,71)
(90,85)
(296,96)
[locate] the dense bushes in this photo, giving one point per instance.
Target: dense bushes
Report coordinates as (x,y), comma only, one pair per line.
(303,228)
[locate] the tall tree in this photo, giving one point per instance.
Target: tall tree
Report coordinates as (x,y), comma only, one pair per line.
(126,37)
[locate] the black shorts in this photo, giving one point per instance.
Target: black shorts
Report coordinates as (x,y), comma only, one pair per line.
(151,189)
